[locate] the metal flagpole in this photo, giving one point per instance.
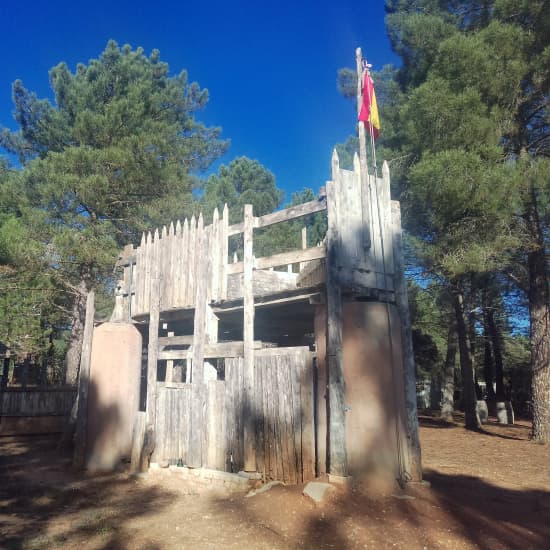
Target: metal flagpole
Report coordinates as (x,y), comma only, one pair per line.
(363,152)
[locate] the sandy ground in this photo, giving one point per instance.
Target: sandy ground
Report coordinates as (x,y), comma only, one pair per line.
(487,490)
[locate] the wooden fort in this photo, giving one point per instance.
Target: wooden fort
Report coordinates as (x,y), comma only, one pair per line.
(295,365)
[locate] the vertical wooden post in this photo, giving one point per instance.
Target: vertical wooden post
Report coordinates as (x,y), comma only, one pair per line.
(413,463)
(214,283)
(224,251)
(184,263)
(195,455)
(127,252)
(304,245)
(141,258)
(152,352)
(248,337)
(337,453)
(83,384)
(170,365)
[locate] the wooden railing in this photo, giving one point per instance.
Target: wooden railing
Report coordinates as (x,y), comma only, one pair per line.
(177,252)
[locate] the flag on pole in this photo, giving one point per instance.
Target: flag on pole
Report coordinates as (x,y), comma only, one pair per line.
(369,107)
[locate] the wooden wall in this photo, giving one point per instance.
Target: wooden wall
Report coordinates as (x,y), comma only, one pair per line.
(178,257)
(282,409)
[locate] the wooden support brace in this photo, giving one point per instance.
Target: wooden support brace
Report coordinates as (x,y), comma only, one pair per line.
(412,462)
(81,431)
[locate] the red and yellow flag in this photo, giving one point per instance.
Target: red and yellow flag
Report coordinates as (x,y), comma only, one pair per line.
(369,107)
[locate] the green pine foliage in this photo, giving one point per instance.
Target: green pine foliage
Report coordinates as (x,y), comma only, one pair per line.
(116,152)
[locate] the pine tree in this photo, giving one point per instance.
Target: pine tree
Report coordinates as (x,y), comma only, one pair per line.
(475,128)
(118,147)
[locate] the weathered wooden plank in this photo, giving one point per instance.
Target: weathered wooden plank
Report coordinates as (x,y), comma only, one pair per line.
(304,245)
(211,326)
(260,417)
(176,265)
(169,364)
(277,432)
(172,267)
(228,414)
(308,430)
(320,324)
(248,336)
(138,435)
(175,340)
(287,214)
(148,269)
(280,351)
(376,231)
(191,267)
(152,350)
(184,416)
(224,256)
(198,434)
(336,389)
(292,257)
(235,267)
(288,434)
(413,462)
(210,351)
(139,276)
(215,254)
(215,425)
(184,264)
(240,414)
(387,230)
(132,294)
(294,392)
(160,426)
(292,213)
(81,429)
(164,261)
(235,229)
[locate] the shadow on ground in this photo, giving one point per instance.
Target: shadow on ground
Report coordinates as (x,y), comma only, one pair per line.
(44,504)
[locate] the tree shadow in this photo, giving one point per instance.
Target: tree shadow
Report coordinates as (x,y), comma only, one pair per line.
(50,505)
(434,422)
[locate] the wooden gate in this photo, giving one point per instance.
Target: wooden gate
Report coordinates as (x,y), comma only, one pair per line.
(284,397)
(282,409)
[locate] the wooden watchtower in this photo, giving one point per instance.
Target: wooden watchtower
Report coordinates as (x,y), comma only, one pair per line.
(294,373)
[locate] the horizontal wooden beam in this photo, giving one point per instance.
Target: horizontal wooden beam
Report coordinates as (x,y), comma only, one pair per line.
(292,213)
(235,268)
(283,351)
(297,295)
(235,229)
(175,340)
(292,257)
(211,351)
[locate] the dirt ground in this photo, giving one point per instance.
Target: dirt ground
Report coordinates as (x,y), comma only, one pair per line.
(487,490)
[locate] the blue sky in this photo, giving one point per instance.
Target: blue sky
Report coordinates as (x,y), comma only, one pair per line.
(270,67)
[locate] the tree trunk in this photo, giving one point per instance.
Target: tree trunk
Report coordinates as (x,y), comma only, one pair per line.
(488,356)
(496,341)
(77,335)
(5,373)
(472,421)
(447,398)
(539,314)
